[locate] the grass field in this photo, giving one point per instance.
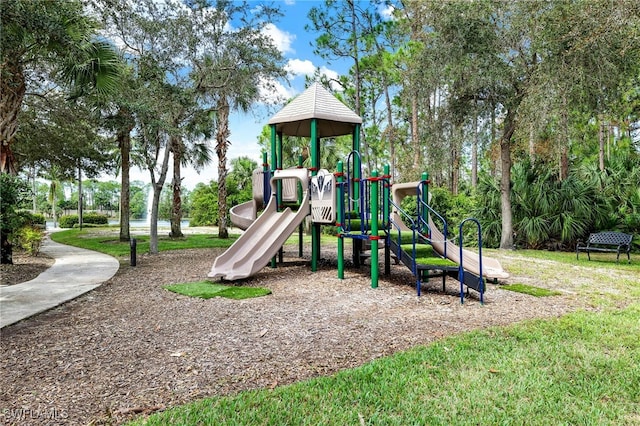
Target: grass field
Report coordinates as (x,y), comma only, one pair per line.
(105,240)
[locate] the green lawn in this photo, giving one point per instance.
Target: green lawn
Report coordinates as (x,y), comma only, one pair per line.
(530,290)
(105,240)
(208,289)
(607,260)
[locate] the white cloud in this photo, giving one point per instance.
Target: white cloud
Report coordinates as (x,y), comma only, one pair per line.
(297,67)
(282,39)
(332,76)
(273,92)
(386,12)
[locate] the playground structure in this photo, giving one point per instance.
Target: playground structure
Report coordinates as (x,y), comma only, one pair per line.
(365,210)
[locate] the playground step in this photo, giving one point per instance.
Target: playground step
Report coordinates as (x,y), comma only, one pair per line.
(405,237)
(425,255)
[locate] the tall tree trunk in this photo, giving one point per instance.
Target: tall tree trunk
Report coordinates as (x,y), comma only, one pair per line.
(415,136)
(564,141)
(157,190)
(601,150)
(355,56)
(176,186)
(506,239)
(532,145)
(493,139)
(53,188)
(80,200)
(222,142)
(474,152)
(34,197)
(455,160)
(124,142)
(391,131)
(12,90)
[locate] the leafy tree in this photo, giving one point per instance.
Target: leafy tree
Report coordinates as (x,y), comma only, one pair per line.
(63,135)
(237,62)
(204,205)
(156,55)
(52,36)
(194,150)
(138,200)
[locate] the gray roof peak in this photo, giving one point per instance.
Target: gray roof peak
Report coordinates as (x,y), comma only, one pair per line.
(334,118)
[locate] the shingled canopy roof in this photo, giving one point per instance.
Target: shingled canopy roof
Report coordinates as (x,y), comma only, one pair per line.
(333,117)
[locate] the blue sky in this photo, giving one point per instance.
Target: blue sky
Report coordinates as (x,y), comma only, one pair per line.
(294,42)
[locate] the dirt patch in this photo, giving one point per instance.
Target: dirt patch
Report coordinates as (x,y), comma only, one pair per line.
(131,347)
(24,268)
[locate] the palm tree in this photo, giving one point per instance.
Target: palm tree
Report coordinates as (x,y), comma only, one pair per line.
(243,171)
(50,35)
(237,63)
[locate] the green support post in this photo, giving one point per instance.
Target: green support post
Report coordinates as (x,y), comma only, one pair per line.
(315,165)
(374,229)
(273,146)
(386,217)
(425,213)
(425,197)
(386,193)
(356,169)
(278,166)
(265,171)
(300,227)
(339,216)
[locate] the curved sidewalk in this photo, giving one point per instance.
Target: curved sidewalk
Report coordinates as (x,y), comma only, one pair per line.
(75,272)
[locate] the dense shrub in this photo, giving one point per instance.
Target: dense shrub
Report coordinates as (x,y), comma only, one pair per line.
(68,220)
(71,220)
(14,191)
(204,205)
(31,219)
(29,238)
(95,219)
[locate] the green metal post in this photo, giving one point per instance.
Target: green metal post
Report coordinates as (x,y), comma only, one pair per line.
(300,227)
(425,196)
(356,168)
(278,166)
(273,146)
(315,162)
(425,212)
(339,225)
(386,193)
(374,229)
(386,217)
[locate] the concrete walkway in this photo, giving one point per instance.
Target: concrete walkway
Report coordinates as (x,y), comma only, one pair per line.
(75,272)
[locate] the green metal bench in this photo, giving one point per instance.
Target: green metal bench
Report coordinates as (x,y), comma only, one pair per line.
(609,241)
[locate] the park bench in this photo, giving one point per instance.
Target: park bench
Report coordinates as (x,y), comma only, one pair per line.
(614,242)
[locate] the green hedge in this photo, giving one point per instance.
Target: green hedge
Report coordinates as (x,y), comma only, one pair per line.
(69,221)
(27,218)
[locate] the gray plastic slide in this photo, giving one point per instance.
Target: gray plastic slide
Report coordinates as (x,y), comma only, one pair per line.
(491,268)
(261,241)
(243,215)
